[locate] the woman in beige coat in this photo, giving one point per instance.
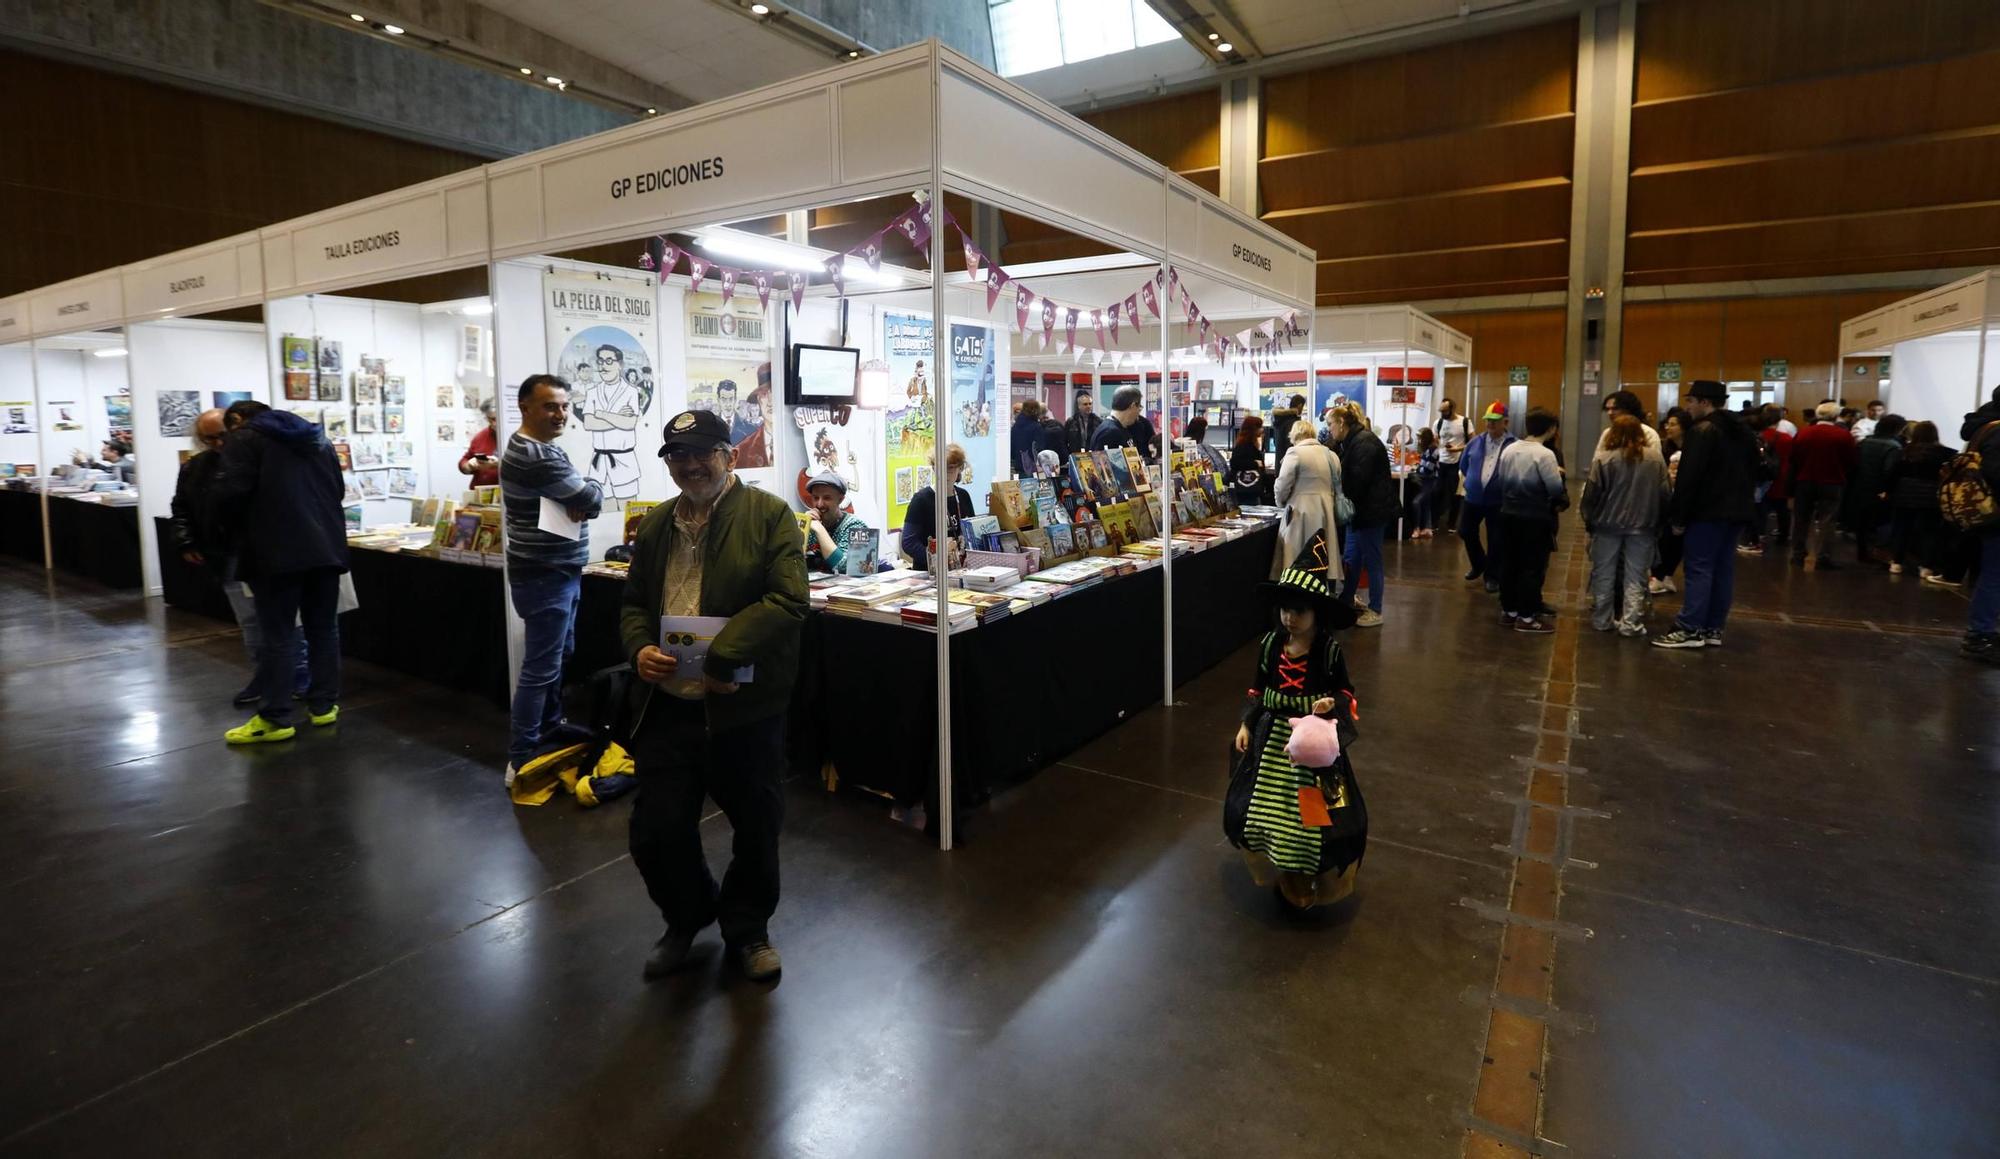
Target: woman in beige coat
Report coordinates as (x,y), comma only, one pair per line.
(1307,487)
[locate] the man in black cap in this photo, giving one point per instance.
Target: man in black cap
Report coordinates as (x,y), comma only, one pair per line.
(728,553)
(1714,494)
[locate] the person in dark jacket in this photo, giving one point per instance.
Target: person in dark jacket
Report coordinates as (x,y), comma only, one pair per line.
(1714,495)
(1864,507)
(200,546)
(1365,480)
(1027,439)
(1247,483)
(1823,456)
(1910,488)
(1127,425)
(277,495)
(1282,419)
(1055,437)
(1082,423)
(1982,633)
(1478,464)
(920,517)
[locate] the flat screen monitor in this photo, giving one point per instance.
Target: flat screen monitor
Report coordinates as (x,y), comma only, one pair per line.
(825,374)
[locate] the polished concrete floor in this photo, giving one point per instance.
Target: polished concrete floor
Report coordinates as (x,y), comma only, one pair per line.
(354,945)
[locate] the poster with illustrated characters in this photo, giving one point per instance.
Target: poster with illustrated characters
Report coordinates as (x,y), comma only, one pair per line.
(909,421)
(729,374)
(848,442)
(974,395)
(601,333)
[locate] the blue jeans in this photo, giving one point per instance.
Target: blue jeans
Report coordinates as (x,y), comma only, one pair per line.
(1710,563)
(1364,550)
(545,599)
(1986,597)
(283,603)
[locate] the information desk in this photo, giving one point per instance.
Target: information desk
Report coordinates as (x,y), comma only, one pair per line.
(95,541)
(1026,690)
(21,525)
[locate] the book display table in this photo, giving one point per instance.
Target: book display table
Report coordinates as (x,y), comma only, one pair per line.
(95,541)
(21,525)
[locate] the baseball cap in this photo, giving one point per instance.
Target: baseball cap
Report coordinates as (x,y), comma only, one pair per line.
(699,429)
(829,479)
(1708,388)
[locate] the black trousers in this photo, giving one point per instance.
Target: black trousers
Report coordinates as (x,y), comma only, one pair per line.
(1524,566)
(1446,500)
(1488,560)
(679,762)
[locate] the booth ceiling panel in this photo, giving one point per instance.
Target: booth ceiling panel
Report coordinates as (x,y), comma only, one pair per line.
(1931,96)
(1905,239)
(1486,155)
(901,98)
(1709,46)
(1859,179)
(695,47)
(1514,76)
(1535,212)
(1007,146)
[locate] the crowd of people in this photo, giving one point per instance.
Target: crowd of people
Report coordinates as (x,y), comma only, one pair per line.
(1685,497)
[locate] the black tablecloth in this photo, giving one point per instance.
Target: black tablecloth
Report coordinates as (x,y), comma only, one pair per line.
(95,541)
(21,525)
(434,619)
(1030,689)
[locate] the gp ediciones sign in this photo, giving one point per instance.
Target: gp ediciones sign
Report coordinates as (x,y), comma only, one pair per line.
(666,177)
(1243,253)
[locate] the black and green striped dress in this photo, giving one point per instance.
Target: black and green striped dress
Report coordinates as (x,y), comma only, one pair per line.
(1261,810)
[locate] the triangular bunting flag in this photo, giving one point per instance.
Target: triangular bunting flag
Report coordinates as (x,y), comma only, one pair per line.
(728,284)
(836,271)
(1024,300)
(1152,300)
(762,278)
(1048,321)
(1112,310)
(797,284)
(872,252)
(1069,326)
(973,260)
(697,273)
(1097,324)
(996,280)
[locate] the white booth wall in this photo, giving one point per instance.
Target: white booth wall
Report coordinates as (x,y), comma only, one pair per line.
(1937,378)
(206,359)
(75,385)
(17,393)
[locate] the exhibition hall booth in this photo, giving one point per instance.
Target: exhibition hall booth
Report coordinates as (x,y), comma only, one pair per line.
(1928,356)
(822,265)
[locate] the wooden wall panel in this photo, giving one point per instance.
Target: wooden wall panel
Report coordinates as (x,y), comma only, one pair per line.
(131,169)
(1730,339)
(1709,46)
(1504,339)
(1183,132)
(1440,172)
(1514,76)
(1805,138)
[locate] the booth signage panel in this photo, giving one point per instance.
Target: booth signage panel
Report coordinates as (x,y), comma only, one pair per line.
(901,99)
(465,220)
(1229,245)
(1868,332)
(191,282)
(394,237)
(13,319)
(1457,348)
(1423,332)
(1668,372)
(1777,369)
(745,158)
(1951,308)
(1517,376)
(1005,145)
(79,306)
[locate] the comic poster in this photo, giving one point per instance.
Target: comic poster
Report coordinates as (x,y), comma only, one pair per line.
(601,334)
(848,442)
(1337,386)
(974,395)
(909,422)
(1275,389)
(729,374)
(178,410)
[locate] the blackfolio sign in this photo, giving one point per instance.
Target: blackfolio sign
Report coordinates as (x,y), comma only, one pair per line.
(176,284)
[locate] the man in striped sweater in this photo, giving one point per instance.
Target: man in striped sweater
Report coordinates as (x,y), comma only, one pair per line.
(544,568)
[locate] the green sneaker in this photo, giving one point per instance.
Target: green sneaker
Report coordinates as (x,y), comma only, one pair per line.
(324,718)
(259,731)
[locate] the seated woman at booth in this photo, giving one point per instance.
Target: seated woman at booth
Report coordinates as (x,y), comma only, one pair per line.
(481,459)
(920,522)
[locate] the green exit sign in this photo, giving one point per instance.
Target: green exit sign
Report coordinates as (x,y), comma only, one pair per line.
(1777,369)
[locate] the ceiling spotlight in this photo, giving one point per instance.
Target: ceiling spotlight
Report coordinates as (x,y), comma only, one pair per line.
(1215,36)
(652,112)
(392,30)
(526,71)
(1225,46)
(760,9)
(357,17)
(852,53)
(554,80)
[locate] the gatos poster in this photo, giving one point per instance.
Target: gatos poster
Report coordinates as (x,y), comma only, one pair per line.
(974,395)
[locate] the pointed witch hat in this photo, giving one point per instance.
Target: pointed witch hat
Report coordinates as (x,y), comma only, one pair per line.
(1308,577)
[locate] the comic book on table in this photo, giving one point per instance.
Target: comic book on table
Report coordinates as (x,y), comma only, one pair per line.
(1062,541)
(864,550)
(982,532)
(1135,466)
(1009,505)
(1121,471)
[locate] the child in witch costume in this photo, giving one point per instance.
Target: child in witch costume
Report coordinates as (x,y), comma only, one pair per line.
(1293,806)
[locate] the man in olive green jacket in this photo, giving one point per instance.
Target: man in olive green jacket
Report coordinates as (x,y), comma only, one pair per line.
(728,551)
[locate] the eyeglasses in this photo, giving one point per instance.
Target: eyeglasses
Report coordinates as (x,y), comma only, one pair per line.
(686,454)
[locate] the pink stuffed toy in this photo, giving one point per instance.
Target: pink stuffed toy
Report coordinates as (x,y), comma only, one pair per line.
(1315,742)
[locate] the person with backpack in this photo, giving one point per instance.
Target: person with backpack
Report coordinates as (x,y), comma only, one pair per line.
(1970,498)
(1863,504)
(1454,431)
(1910,488)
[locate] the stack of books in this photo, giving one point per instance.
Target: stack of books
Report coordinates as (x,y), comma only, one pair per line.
(1070,578)
(987,606)
(921,612)
(857,599)
(986,579)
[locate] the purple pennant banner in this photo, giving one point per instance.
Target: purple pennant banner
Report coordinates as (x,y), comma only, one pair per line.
(728,284)
(669,258)
(1132,309)
(871,253)
(1024,300)
(973,260)
(1112,310)
(1097,324)
(1152,298)
(796,283)
(1069,327)
(1048,322)
(836,272)
(697,273)
(996,280)
(762,280)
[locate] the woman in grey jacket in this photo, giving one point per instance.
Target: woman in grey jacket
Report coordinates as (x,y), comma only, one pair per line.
(1622,500)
